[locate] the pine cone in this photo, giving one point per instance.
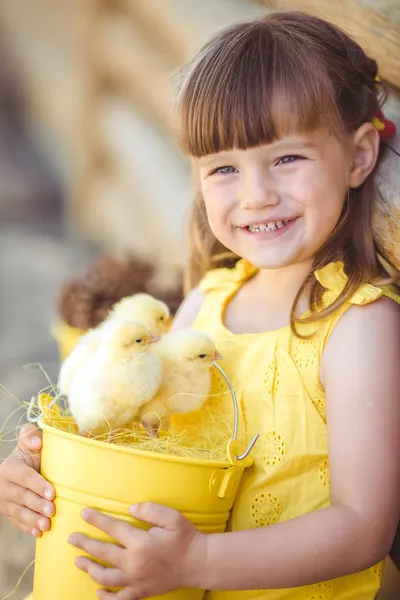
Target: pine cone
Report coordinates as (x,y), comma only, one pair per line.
(86,301)
(74,304)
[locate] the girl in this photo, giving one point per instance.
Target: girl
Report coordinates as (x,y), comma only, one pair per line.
(277,117)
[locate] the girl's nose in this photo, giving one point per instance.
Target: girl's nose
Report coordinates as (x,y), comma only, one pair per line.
(258,191)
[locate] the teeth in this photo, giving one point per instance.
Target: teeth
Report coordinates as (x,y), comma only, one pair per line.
(268,226)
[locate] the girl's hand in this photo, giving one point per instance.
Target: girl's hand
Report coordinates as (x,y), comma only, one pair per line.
(25,496)
(147,563)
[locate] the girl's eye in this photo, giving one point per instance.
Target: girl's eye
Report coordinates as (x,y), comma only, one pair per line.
(224,170)
(285,160)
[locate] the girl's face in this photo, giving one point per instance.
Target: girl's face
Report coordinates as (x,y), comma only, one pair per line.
(276,204)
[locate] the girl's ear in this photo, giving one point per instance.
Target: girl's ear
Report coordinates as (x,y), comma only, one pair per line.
(365,153)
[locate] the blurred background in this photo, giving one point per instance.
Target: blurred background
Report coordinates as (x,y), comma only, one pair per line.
(89,167)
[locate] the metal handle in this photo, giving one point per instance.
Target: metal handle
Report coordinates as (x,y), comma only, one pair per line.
(31,418)
(236,416)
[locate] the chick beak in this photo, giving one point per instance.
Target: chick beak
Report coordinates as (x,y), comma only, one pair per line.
(217,356)
(153,338)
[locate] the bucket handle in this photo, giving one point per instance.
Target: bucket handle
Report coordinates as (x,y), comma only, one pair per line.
(34,419)
(30,416)
(236,417)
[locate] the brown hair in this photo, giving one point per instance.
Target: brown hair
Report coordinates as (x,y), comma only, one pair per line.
(252,83)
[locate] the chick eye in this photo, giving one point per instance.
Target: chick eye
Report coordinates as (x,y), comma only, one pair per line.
(202,355)
(139,340)
(161,318)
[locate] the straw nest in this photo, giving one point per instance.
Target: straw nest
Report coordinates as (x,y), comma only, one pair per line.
(201,443)
(203,434)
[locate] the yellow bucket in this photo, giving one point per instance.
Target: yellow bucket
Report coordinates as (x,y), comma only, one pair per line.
(89,473)
(66,337)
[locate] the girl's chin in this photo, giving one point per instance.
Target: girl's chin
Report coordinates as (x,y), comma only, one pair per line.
(275,261)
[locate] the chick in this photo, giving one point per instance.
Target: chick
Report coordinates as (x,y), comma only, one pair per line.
(117,380)
(86,347)
(153,313)
(186,358)
(148,310)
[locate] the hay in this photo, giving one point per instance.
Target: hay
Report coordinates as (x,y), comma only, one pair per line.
(16,588)
(201,435)
(11,434)
(197,441)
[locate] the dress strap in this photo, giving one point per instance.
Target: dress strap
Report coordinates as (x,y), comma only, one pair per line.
(218,285)
(333,278)
(221,278)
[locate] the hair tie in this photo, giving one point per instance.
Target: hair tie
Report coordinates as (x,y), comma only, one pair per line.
(386,128)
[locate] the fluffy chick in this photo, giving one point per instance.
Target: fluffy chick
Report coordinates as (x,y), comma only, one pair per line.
(82,353)
(117,380)
(153,313)
(146,309)
(186,358)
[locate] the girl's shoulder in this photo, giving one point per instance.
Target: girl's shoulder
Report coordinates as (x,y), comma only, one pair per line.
(372,311)
(365,340)
(188,310)
(378,299)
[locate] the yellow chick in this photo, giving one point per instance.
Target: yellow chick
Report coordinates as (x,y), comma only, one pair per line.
(186,358)
(117,380)
(86,347)
(153,313)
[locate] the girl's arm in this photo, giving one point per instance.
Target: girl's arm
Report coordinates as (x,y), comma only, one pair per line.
(360,371)
(188,310)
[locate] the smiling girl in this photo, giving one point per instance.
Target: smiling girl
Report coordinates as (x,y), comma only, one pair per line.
(277,117)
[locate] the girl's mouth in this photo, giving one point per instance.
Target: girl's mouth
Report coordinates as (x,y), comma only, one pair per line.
(271,229)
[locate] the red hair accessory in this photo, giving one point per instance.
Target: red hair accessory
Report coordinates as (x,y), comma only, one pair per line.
(386,128)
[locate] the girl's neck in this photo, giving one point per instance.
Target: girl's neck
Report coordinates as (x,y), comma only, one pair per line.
(264,302)
(276,285)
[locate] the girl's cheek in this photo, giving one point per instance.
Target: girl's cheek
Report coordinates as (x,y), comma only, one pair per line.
(213,213)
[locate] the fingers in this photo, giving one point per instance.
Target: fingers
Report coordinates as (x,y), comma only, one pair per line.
(24,497)
(109,553)
(35,532)
(28,511)
(119,530)
(102,575)
(158,515)
(28,520)
(30,445)
(125,594)
(30,437)
(19,473)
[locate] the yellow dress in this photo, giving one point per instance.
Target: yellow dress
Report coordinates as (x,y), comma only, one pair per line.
(276,378)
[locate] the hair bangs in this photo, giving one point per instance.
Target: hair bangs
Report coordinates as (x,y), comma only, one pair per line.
(251,90)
